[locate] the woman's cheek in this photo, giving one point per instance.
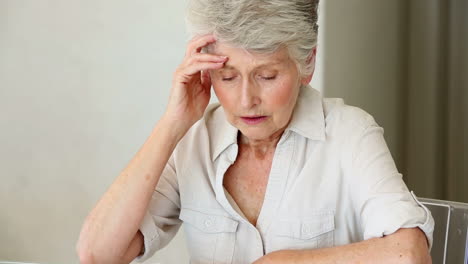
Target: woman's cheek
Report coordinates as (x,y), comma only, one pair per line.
(283,94)
(228,103)
(223,94)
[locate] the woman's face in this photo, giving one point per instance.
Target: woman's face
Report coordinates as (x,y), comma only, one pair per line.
(257,91)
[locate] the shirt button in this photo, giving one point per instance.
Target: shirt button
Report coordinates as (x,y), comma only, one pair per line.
(208,222)
(306,229)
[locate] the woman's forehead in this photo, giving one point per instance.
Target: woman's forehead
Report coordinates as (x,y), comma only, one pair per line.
(242,56)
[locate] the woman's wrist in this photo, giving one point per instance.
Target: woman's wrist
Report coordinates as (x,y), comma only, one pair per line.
(174,130)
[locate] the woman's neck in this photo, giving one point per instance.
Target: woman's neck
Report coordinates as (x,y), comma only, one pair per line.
(260,147)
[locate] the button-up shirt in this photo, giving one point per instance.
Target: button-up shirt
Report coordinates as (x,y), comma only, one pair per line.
(332,182)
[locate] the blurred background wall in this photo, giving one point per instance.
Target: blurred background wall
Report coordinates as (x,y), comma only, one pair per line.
(82,84)
(406,63)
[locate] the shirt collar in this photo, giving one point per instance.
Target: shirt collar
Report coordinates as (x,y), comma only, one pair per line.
(308,120)
(222,133)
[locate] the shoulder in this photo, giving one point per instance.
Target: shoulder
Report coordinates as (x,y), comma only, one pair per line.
(203,127)
(346,126)
(339,115)
(207,135)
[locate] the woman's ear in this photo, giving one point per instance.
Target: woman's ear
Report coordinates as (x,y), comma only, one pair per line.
(310,61)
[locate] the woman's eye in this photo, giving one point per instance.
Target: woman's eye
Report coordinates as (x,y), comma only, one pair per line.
(268,77)
(228,78)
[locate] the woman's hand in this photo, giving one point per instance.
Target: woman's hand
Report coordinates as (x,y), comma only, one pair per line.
(191,86)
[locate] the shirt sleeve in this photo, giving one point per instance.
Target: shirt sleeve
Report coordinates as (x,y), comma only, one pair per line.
(381,196)
(161,221)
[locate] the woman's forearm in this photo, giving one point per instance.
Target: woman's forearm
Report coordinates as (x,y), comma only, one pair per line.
(114,222)
(405,246)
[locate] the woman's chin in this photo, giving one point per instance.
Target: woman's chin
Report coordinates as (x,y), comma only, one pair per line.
(262,131)
(255,133)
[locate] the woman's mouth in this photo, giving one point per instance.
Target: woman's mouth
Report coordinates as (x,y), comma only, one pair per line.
(253,120)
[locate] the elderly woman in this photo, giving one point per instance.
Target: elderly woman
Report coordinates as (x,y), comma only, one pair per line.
(274,173)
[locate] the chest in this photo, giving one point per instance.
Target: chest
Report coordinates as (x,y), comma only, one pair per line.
(246,181)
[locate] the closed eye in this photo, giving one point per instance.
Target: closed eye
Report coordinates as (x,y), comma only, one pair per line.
(268,77)
(228,78)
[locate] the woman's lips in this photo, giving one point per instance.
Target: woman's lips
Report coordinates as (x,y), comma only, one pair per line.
(253,120)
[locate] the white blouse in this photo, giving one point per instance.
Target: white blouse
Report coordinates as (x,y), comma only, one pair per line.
(332,182)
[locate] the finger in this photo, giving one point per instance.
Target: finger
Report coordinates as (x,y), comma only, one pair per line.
(206,80)
(205,57)
(197,44)
(193,69)
(202,41)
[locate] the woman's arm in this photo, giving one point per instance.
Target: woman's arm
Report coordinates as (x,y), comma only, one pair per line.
(114,222)
(404,246)
(110,232)
(135,248)
(384,205)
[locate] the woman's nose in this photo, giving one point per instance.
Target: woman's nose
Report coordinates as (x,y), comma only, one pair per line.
(249,94)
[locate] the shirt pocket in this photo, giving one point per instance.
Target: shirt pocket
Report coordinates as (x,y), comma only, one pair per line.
(311,232)
(210,238)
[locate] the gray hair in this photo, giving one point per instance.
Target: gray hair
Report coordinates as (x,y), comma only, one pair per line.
(259,25)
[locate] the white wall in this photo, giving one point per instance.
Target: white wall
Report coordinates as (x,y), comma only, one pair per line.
(82,83)
(317,78)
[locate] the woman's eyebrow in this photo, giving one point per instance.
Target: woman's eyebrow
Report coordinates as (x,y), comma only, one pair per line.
(228,67)
(262,65)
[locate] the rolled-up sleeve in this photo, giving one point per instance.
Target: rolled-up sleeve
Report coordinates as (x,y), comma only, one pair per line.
(381,196)
(161,221)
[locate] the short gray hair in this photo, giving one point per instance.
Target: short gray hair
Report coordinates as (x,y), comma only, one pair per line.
(259,25)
